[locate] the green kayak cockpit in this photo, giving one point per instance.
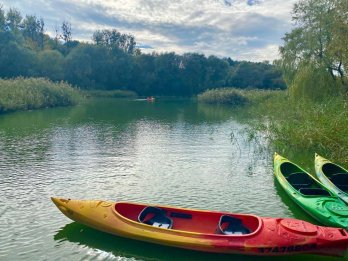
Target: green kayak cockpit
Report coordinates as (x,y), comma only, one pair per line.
(302,181)
(310,194)
(337,175)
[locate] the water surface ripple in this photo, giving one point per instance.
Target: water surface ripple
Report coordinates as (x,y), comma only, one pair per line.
(169,152)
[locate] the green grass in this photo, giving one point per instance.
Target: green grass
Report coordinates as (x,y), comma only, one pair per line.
(35,93)
(110,94)
(308,126)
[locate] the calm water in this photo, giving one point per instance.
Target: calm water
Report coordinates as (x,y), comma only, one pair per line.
(168,152)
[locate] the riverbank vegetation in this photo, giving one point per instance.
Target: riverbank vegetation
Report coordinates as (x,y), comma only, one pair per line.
(227,96)
(312,115)
(114,61)
(294,126)
(35,93)
(237,97)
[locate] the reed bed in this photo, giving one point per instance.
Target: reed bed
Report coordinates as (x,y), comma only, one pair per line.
(35,93)
(304,125)
(291,125)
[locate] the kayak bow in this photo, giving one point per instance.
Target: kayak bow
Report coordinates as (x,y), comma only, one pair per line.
(311,195)
(208,231)
(333,176)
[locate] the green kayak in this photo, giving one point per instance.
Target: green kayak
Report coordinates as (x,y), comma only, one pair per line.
(333,176)
(311,195)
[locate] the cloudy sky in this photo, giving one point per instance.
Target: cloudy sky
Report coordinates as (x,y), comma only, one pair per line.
(240,29)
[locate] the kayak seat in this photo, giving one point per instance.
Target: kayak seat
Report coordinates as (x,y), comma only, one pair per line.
(232,226)
(340,180)
(299,180)
(156,217)
(314,192)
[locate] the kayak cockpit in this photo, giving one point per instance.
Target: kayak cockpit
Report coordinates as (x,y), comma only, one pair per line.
(336,175)
(187,220)
(302,181)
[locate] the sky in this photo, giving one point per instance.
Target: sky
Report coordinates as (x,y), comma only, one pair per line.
(241,29)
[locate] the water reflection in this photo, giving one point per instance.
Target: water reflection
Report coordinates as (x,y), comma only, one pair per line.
(110,247)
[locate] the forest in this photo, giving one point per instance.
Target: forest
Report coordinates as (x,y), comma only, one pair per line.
(112,60)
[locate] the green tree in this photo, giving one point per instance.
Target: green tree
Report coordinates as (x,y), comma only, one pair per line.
(15,60)
(33,30)
(13,20)
(78,67)
(50,65)
(340,36)
(2,19)
(114,39)
(217,70)
(143,74)
(305,87)
(311,43)
(193,70)
(66,32)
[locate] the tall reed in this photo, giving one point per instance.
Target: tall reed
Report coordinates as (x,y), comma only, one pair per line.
(304,125)
(34,93)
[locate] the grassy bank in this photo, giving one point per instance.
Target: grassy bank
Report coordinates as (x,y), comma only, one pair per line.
(310,126)
(292,125)
(110,94)
(34,93)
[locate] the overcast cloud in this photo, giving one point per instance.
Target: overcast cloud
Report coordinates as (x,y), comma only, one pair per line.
(240,29)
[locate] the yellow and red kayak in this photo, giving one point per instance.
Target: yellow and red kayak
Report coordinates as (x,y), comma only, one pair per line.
(208,231)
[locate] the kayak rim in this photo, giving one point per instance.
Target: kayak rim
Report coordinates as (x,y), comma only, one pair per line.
(135,223)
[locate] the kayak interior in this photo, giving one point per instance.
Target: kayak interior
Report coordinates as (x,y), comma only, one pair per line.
(336,175)
(187,220)
(302,181)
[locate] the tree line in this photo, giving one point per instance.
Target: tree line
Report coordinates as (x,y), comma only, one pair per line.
(112,60)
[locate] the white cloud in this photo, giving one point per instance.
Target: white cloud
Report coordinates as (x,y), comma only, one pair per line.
(267,53)
(241,29)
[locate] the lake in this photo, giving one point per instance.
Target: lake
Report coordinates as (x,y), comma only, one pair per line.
(173,152)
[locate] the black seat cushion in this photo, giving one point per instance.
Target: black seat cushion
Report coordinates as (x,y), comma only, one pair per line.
(340,180)
(156,217)
(314,192)
(300,180)
(229,225)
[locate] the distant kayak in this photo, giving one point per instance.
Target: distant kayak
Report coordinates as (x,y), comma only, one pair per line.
(208,231)
(311,195)
(150,99)
(333,176)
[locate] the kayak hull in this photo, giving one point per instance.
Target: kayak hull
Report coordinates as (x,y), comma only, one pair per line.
(327,209)
(322,175)
(269,236)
